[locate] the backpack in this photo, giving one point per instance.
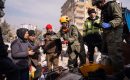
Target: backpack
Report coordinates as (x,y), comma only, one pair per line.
(126,25)
(126,16)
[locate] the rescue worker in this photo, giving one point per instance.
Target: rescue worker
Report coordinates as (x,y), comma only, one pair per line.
(36,57)
(20,53)
(71,35)
(52,48)
(111,17)
(92,34)
(7,67)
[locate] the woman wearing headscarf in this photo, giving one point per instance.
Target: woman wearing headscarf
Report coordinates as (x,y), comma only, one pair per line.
(20,53)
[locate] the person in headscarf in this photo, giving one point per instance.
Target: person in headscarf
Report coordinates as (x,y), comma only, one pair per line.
(20,53)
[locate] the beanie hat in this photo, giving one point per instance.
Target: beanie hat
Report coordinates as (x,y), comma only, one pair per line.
(48,26)
(31,32)
(91,11)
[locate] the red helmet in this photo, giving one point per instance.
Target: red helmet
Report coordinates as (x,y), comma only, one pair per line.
(48,26)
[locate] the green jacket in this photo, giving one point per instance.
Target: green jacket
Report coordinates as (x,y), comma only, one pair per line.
(90,27)
(112,13)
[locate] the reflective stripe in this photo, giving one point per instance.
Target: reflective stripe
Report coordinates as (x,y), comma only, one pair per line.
(89,28)
(97,21)
(89,24)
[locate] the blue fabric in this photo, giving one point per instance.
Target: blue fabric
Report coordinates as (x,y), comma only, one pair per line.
(127,18)
(106,25)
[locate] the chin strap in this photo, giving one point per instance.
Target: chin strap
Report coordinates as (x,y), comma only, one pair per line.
(65,30)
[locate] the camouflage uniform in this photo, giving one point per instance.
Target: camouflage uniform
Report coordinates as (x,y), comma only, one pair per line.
(75,46)
(112,37)
(52,48)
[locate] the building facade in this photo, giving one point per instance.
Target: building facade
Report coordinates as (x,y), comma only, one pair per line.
(77,11)
(29,26)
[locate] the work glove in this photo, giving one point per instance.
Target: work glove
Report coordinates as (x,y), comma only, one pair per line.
(105,25)
(97,25)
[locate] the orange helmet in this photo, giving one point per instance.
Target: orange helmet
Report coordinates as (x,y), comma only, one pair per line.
(64,19)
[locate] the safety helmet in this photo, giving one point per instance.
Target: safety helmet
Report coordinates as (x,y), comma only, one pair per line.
(95,2)
(48,26)
(64,19)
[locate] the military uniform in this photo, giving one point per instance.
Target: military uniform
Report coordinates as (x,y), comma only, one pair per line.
(112,37)
(92,36)
(52,48)
(75,46)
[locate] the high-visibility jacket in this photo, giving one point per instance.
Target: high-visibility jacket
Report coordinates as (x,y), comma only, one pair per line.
(89,27)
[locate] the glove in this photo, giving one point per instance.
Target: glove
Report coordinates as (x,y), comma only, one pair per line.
(97,25)
(106,25)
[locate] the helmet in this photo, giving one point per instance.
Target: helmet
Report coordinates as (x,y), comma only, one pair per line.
(48,26)
(95,2)
(64,19)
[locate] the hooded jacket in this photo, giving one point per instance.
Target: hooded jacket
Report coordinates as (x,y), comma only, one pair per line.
(19,49)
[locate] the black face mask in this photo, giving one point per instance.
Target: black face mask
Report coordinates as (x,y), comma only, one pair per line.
(50,32)
(64,25)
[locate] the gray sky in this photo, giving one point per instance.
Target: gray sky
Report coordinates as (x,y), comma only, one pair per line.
(126,3)
(37,12)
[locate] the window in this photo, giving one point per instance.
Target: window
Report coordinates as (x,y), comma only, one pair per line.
(79,24)
(81,7)
(79,17)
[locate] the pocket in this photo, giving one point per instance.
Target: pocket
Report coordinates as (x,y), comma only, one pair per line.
(118,35)
(110,36)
